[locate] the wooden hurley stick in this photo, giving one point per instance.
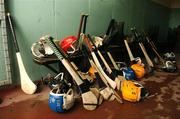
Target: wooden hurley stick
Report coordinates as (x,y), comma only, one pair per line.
(26,83)
(109,82)
(128,50)
(148,60)
(104,90)
(116,78)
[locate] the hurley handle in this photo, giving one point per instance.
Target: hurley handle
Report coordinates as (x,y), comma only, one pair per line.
(13,33)
(80,26)
(85,22)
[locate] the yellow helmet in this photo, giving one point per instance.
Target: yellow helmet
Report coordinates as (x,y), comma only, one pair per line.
(138,70)
(131,91)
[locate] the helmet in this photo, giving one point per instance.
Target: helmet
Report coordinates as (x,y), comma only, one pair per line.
(37,50)
(128,73)
(138,70)
(169,67)
(169,56)
(133,91)
(91,72)
(41,49)
(67,44)
(61,102)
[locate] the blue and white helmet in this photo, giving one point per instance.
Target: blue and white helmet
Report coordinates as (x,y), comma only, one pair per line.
(61,102)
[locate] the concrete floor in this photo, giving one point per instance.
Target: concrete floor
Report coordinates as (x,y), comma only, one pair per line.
(164,103)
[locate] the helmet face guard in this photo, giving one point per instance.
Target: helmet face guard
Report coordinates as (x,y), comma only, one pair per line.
(37,50)
(137,60)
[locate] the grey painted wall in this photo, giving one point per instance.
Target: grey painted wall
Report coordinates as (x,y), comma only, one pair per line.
(60,18)
(174,18)
(173,24)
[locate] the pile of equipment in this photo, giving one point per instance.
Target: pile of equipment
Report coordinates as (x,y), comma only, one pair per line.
(104,78)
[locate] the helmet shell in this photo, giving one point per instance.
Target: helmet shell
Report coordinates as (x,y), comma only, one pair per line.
(138,70)
(131,91)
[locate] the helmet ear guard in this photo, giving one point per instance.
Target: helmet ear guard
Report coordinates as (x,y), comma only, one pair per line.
(68,99)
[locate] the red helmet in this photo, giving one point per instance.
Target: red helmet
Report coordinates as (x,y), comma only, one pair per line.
(67,44)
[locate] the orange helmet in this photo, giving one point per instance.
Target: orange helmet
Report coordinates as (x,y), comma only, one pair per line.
(91,72)
(139,70)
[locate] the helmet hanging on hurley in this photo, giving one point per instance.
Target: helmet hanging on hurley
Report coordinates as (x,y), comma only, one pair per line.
(68,44)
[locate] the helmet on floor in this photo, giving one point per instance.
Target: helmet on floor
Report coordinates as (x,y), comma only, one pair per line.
(67,44)
(132,91)
(138,70)
(169,67)
(61,102)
